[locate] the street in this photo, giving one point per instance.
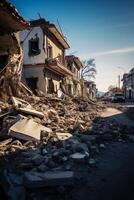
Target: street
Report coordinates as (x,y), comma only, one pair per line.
(113,178)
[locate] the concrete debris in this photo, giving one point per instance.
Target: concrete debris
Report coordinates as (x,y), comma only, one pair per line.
(31,112)
(79,156)
(5,142)
(63,136)
(26,129)
(24,107)
(46,152)
(38,180)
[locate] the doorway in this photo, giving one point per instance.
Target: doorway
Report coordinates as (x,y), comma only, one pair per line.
(32,84)
(50,86)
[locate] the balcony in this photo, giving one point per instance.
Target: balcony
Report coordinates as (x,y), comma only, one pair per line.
(57,65)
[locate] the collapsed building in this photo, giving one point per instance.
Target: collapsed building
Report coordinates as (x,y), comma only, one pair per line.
(10,50)
(41,139)
(46,67)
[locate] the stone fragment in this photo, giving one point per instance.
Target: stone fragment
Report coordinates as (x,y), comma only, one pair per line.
(17,143)
(63,136)
(24,107)
(38,180)
(78,156)
(27,129)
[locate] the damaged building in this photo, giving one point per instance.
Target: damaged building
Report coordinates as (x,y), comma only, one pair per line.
(10,50)
(44,65)
(73,83)
(89,89)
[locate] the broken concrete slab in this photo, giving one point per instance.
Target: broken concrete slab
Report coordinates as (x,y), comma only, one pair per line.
(24,107)
(38,179)
(17,102)
(25,129)
(31,112)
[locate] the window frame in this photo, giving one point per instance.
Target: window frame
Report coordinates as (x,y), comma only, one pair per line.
(31,53)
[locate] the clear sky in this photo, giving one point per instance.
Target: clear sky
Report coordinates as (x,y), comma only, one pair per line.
(100,29)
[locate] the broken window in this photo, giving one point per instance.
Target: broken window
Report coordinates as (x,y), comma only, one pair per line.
(49,51)
(34,47)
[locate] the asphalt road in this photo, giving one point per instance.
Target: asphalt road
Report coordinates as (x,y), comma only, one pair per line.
(117,115)
(113,178)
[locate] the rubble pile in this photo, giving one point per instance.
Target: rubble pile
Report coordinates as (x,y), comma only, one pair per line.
(45,141)
(68,114)
(42,140)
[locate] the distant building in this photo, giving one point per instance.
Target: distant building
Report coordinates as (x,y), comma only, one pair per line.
(73,86)
(89,89)
(128,84)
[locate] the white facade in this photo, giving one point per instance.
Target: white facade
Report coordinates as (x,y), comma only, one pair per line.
(27,35)
(33,65)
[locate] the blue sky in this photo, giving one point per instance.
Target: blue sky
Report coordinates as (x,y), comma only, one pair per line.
(103,30)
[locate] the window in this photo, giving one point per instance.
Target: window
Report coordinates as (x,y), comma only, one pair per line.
(49,51)
(34,47)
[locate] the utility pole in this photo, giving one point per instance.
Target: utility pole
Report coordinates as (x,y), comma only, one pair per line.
(119,80)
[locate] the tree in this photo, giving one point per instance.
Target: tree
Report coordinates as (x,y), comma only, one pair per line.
(89,69)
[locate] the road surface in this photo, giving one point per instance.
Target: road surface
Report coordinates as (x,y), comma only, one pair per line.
(117,115)
(113,179)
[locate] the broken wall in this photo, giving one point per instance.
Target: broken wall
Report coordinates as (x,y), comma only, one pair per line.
(10,74)
(25,37)
(35,72)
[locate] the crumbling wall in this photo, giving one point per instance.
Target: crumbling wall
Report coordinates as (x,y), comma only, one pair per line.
(10,74)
